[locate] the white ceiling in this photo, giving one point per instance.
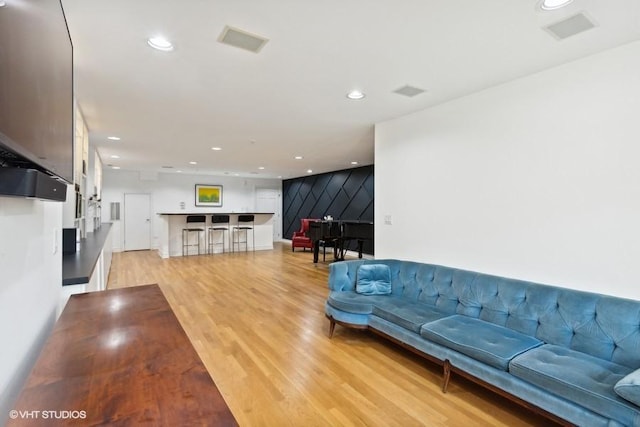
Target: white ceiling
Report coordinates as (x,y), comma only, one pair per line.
(263,109)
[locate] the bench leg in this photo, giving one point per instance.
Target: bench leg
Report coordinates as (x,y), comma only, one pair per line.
(332,326)
(447,375)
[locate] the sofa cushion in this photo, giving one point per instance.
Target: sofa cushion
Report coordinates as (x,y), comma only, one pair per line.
(492,344)
(584,379)
(407,314)
(373,279)
(629,387)
(352,302)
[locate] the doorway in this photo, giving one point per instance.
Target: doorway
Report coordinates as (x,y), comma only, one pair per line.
(137,222)
(268,200)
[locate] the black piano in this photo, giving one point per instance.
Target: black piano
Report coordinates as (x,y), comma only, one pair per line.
(339,234)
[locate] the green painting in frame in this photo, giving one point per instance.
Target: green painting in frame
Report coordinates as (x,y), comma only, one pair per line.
(208,195)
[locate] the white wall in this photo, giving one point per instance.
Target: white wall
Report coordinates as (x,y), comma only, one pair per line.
(30,287)
(69,208)
(537,179)
(168,190)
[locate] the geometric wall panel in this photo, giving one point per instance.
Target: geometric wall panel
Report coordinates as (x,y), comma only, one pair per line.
(345,194)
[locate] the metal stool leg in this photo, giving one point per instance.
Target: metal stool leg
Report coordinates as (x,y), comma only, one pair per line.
(211,235)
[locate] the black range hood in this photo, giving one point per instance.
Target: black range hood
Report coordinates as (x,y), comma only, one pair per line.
(20,182)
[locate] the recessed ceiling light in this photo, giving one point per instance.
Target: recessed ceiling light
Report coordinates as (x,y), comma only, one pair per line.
(115,156)
(193,163)
(309,171)
(160,43)
(3,3)
(216,148)
(261,168)
(114,138)
(354,163)
(355,94)
(178,171)
(554,4)
(115,167)
(298,157)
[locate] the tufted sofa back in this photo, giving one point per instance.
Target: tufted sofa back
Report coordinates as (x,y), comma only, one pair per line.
(604,326)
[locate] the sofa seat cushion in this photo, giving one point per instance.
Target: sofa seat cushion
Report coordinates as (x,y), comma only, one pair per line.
(492,344)
(584,379)
(352,302)
(409,315)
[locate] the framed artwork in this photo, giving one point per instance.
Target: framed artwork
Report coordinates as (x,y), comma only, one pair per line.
(209,195)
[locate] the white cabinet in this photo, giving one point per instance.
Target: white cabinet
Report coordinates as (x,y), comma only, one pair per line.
(98,279)
(107,254)
(81,163)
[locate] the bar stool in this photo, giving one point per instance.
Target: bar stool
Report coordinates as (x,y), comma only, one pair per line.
(186,232)
(218,223)
(238,228)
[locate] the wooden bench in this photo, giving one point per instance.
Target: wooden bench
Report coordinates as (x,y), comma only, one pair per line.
(120,357)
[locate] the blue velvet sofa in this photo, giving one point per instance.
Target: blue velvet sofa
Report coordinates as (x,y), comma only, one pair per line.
(572,356)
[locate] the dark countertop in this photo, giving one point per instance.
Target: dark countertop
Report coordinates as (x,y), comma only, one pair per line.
(78,267)
(214,213)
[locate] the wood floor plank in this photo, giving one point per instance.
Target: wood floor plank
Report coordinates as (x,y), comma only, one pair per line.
(257,322)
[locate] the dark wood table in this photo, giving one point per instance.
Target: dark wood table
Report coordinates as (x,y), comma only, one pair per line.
(120,357)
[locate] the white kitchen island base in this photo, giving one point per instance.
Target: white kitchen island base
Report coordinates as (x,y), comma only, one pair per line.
(172,223)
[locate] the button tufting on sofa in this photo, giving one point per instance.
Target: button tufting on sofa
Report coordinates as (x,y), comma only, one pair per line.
(555,350)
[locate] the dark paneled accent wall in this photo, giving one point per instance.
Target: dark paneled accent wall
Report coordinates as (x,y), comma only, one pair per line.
(345,194)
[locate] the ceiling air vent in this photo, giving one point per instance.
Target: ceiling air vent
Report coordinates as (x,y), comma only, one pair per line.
(571,26)
(409,91)
(242,39)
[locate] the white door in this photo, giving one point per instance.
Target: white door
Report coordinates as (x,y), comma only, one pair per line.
(137,222)
(268,200)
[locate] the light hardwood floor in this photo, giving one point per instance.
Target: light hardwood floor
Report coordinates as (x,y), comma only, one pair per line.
(257,321)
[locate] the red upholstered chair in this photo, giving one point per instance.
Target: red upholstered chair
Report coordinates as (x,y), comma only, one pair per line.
(300,238)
